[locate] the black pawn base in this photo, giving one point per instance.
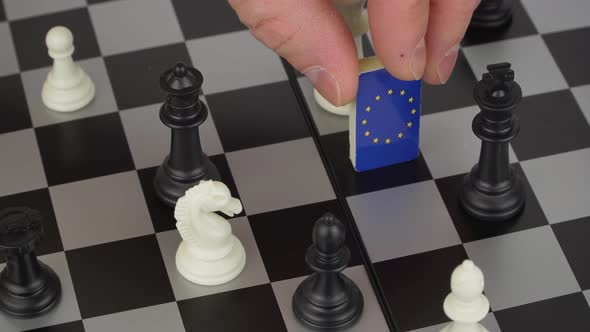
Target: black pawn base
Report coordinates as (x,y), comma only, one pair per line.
(490,16)
(337,311)
(23,301)
(171,184)
(497,205)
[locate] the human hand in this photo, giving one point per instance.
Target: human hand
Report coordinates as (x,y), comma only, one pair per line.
(413,38)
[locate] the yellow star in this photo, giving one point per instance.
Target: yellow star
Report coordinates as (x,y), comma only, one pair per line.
(411,99)
(364,122)
(378,98)
(410,124)
(403,92)
(368,109)
(375,140)
(414,111)
(367,133)
(400,135)
(387,141)
(390,91)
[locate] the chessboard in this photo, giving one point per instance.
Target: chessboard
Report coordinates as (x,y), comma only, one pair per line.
(536,267)
(112,243)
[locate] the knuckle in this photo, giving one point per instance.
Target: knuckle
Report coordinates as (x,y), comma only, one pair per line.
(275,32)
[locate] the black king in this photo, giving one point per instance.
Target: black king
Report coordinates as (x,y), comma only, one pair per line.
(493,191)
(183,112)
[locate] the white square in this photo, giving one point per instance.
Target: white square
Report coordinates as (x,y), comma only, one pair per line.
(100,210)
(522,267)
(163,317)
(131,25)
(66,310)
(149,138)
(233,61)
(16,9)
(561,184)
(582,95)
(534,67)
(371,320)
(403,221)
(22,169)
(280,176)
(103,102)
(551,15)
(254,272)
(448,143)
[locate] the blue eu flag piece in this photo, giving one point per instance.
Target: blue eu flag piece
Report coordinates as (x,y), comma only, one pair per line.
(384,129)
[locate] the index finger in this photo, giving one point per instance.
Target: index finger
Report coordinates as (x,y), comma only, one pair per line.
(398,29)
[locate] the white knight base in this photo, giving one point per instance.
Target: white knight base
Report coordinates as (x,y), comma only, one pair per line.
(211,272)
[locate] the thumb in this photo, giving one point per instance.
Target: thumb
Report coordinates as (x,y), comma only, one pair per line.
(312,36)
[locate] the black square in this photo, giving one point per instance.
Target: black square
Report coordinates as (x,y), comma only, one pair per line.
(415,286)
(565,313)
(257,116)
(284,256)
(520,26)
(471,229)
(163,216)
(29,37)
(119,276)
(2,13)
(198,19)
(571,51)
(40,201)
(75,326)
(15,111)
(573,237)
(251,309)
(551,123)
(135,76)
(351,183)
(456,93)
(83,149)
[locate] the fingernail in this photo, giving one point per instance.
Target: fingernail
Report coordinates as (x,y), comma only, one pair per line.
(324,82)
(446,65)
(418,61)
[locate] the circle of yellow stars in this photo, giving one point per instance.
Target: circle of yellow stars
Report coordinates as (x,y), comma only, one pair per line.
(399,135)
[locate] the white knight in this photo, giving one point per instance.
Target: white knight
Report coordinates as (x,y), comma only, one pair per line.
(209,253)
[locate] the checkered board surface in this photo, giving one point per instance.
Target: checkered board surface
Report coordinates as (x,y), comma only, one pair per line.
(90,173)
(537,267)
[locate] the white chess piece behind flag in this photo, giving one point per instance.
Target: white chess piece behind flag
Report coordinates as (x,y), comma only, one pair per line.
(209,253)
(466,305)
(356,19)
(67,88)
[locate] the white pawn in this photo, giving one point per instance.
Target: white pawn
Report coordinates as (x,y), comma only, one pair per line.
(67,88)
(209,253)
(466,305)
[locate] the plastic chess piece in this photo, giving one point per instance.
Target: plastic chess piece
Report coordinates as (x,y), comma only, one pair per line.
(327,298)
(492,14)
(466,305)
(67,87)
(183,112)
(492,191)
(209,253)
(27,286)
(357,22)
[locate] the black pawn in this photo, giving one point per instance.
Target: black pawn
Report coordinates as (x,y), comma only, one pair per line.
(27,286)
(493,191)
(492,14)
(327,298)
(183,112)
